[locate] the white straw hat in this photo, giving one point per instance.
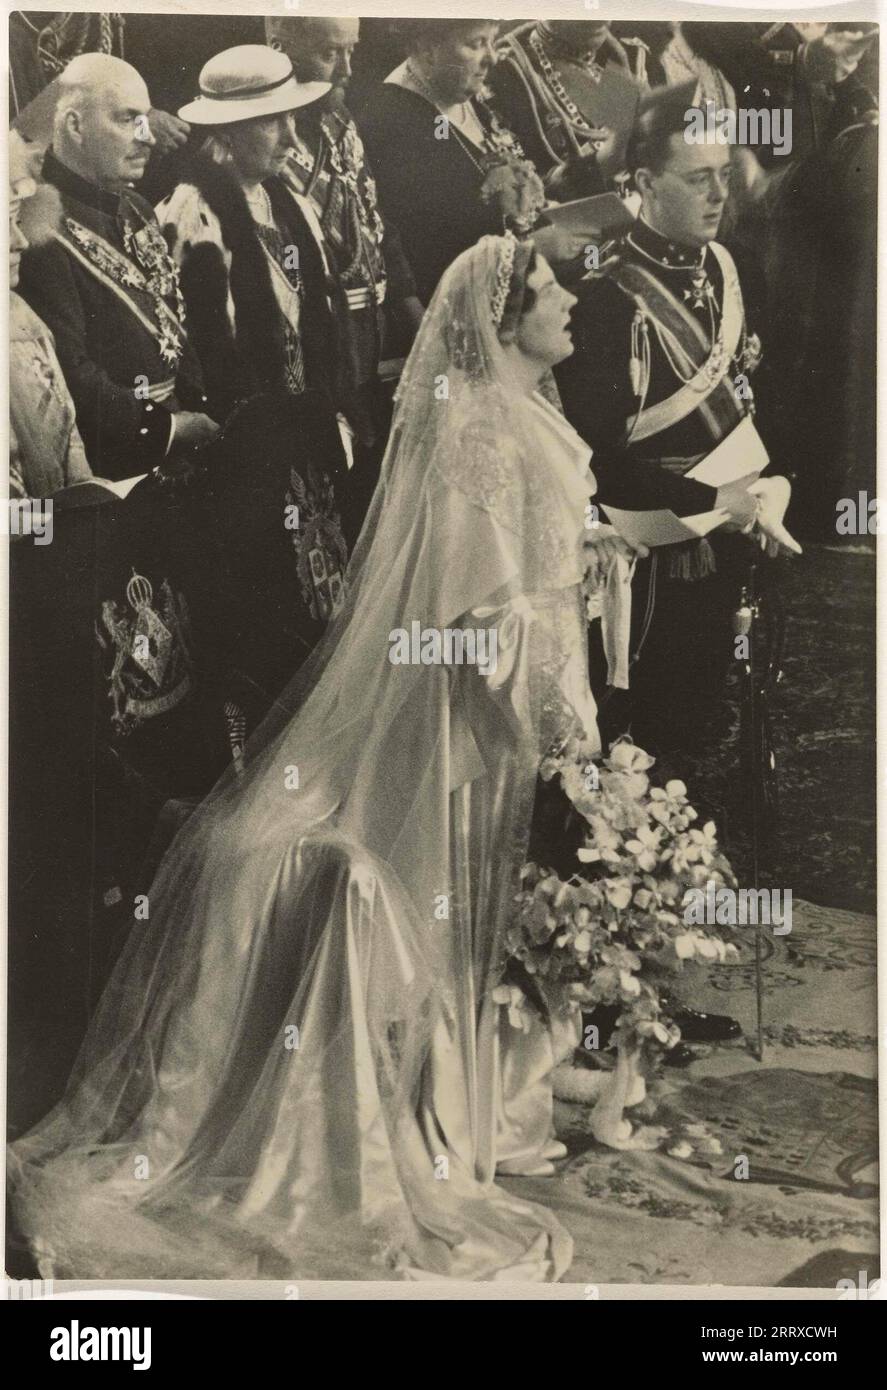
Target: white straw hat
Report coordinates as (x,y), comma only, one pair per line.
(248,81)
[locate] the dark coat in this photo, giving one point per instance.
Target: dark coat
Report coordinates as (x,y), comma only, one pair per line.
(428,187)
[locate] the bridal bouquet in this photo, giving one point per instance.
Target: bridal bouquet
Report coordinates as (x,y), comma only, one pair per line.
(614,930)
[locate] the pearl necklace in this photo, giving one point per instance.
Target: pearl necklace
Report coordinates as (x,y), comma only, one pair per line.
(467,116)
(260,206)
(498,142)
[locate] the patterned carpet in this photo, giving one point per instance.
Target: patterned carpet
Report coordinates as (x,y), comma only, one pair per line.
(804,1121)
(824,723)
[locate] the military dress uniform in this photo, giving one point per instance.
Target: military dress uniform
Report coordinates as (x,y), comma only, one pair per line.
(108,290)
(555,103)
(328,166)
(660,376)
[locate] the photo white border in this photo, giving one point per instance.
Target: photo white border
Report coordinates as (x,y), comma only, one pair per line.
(452,1290)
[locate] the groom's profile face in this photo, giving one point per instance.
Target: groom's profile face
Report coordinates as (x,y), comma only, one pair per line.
(684,199)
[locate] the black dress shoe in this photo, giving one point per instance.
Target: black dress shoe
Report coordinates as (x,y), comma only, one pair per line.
(678,1056)
(696,1026)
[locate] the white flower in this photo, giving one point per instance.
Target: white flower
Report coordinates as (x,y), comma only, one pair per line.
(651,1028)
(513,998)
(645,847)
(669,804)
(710,1145)
(681,1149)
(709,948)
(702,844)
(618,891)
(627,757)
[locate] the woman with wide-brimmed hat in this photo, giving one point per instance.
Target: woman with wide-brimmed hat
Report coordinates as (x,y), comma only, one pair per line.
(254,276)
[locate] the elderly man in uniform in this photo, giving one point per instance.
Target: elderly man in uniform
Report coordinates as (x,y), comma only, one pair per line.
(40,47)
(328,165)
(106,285)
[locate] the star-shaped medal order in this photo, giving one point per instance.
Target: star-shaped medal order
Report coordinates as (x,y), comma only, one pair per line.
(701,290)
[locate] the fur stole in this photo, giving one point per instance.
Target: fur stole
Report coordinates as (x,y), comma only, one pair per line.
(234,320)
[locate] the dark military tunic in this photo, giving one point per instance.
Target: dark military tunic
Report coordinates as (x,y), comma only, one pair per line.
(122,346)
(681,608)
(597,391)
(328,165)
(552,102)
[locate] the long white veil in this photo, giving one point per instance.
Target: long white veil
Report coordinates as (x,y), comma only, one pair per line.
(301,894)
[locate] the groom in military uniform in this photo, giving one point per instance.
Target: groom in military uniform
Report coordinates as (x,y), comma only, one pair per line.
(659,378)
(107,287)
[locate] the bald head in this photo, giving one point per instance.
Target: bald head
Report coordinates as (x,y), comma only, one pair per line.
(101,129)
(320,50)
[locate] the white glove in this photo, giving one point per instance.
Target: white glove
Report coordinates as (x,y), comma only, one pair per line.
(774,494)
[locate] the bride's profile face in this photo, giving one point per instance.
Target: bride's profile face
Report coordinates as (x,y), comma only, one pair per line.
(544,329)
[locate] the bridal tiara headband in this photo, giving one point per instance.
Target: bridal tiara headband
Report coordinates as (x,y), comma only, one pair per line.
(513,260)
(504,272)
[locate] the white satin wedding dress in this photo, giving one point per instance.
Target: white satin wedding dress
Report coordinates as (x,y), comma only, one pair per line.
(296,1069)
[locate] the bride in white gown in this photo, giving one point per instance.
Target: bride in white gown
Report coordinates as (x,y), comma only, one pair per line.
(297,1068)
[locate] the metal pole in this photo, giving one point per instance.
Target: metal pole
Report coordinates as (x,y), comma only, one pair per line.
(756,773)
